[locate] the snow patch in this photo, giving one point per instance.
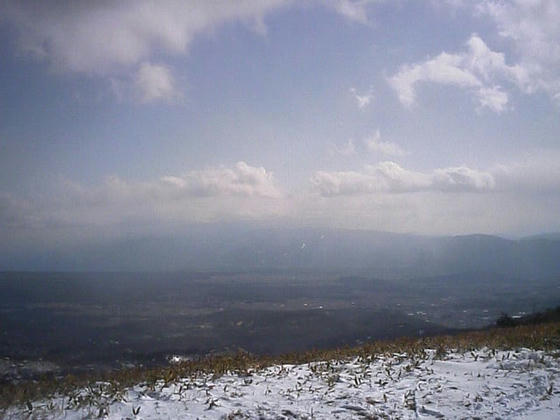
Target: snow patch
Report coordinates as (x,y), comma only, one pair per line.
(483,383)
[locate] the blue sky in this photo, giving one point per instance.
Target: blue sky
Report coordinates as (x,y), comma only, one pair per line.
(139,117)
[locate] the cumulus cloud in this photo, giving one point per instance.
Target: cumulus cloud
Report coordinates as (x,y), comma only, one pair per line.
(219,193)
(462,178)
(154,82)
(118,39)
(493,98)
(99,37)
(114,39)
(518,194)
(478,70)
(443,69)
(355,10)
(533,29)
(362,100)
(390,177)
(376,145)
(241,180)
(343,183)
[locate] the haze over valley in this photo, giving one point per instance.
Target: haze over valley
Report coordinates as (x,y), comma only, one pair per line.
(267,291)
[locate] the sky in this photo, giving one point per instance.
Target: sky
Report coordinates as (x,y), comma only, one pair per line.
(146,117)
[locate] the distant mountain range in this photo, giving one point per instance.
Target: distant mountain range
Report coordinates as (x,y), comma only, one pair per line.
(218,247)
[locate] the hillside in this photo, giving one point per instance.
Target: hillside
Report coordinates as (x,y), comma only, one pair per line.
(502,373)
(239,247)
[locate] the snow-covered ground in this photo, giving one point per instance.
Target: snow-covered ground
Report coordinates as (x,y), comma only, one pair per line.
(481,384)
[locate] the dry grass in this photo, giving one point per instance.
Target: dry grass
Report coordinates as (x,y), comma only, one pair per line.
(540,337)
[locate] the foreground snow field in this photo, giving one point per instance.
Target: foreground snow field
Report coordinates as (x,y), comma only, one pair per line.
(481,384)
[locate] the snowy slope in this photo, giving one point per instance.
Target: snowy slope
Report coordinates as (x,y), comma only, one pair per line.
(481,384)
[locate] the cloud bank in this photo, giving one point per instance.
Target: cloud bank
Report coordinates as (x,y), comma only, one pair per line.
(521,195)
(242,181)
(218,193)
(390,177)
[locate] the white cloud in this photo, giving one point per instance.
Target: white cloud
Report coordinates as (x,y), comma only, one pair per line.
(116,40)
(219,193)
(113,39)
(363,100)
(532,173)
(389,177)
(392,177)
(100,37)
(493,98)
(241,180)
(376,145)
(518,194)
(154,82)
(511,195)
(462,178)
(452,3)
(533,29)
(355,10)
(478,69)
(444,69)
(343,183)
